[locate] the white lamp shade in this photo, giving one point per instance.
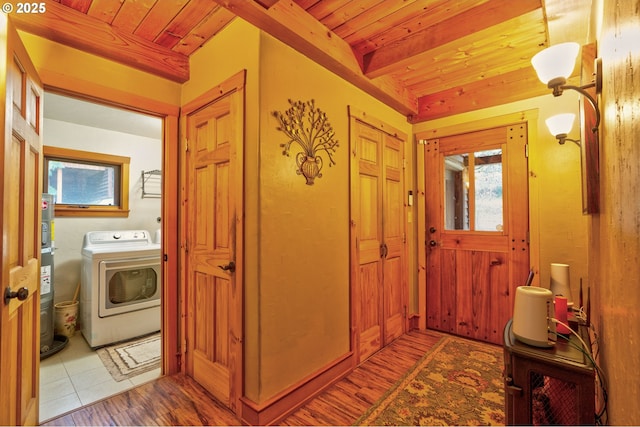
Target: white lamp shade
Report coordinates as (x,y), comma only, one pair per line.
(560,124)
(555,61)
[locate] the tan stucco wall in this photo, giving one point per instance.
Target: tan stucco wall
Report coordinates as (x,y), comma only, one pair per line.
(297,316)
(54,59)
(304,229)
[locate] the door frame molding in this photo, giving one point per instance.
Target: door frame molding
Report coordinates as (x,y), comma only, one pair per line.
(95,92)
(433,131)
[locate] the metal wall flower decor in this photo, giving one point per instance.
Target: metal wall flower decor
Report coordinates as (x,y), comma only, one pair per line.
(309,127)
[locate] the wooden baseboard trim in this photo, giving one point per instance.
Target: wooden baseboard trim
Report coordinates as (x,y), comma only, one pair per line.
(275,409)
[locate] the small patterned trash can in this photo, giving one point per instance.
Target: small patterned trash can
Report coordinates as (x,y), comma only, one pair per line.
(66,314)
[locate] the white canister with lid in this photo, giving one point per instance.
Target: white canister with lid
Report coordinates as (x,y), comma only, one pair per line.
(532,314)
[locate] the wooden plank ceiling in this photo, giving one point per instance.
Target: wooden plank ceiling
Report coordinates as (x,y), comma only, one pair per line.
(425,58)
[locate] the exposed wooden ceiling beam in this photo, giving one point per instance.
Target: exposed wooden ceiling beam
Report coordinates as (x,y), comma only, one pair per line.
(502,89)
(500,49)
(397,56)
(72,28)
(292,25)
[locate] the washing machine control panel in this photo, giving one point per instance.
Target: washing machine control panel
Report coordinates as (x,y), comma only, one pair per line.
(127,236)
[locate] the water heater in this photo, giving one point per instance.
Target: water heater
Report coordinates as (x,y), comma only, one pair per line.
(46,275)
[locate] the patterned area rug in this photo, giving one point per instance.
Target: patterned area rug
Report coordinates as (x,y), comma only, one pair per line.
(131,358)
(458,383)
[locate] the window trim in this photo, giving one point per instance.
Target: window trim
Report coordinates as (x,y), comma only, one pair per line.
(122,210)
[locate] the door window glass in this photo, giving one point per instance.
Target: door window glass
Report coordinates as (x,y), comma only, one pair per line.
(473,188)
(456,192)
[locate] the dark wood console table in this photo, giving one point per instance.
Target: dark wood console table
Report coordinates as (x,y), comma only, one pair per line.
(548,386)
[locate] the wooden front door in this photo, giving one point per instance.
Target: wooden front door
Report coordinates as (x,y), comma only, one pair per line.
(477,230)
(213,247)
(21,188)
(377,236)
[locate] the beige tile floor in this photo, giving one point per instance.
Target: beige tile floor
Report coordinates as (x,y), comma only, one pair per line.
(75,376)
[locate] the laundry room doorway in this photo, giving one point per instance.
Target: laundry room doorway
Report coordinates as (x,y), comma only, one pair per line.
(103,167)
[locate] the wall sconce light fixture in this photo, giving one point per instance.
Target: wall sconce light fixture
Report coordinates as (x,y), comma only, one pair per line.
(560,125)
(553,66)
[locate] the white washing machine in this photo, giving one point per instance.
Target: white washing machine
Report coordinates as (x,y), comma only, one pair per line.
(121,284)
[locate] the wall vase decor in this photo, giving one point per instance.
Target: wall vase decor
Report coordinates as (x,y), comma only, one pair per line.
(309,167)
(309,127)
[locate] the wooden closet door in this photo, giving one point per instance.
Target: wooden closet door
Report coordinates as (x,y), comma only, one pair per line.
(394,238)
(377,238)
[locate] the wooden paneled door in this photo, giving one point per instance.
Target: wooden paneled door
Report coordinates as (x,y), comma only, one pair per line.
(214,126)
(20,187)
(477,221)
(378,249)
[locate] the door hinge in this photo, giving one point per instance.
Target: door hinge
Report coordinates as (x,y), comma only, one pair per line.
(405,311)
(404,237)
(186,246)
(526,150)
(404,163)
(186,146)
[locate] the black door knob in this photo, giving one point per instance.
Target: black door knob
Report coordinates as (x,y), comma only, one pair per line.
(231,267)
(21,294)
(432,243)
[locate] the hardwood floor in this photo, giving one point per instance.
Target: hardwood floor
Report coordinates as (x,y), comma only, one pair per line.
(178,400)
(344,402)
